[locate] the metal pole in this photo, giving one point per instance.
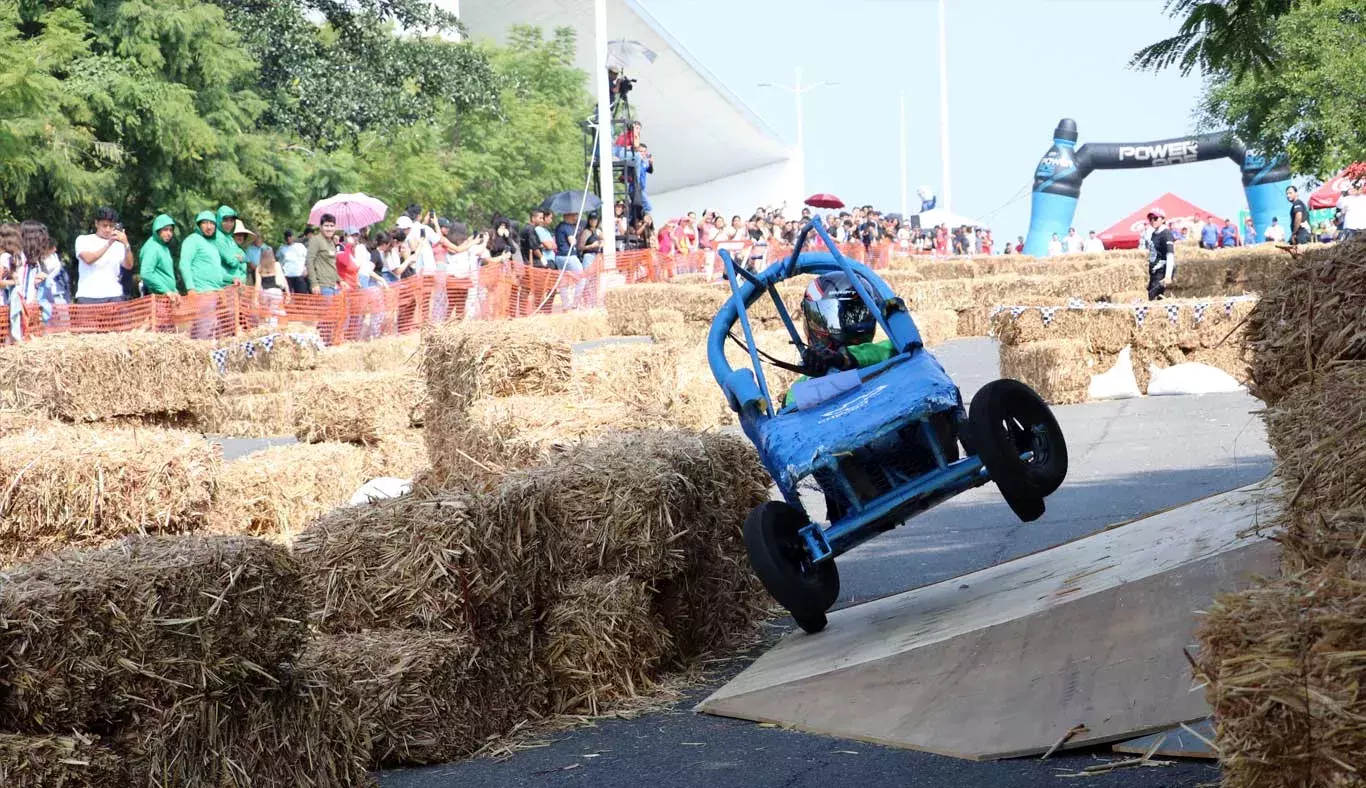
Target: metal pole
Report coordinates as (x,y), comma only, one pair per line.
(801,135)
(905,204)
(607,223)
(946,188)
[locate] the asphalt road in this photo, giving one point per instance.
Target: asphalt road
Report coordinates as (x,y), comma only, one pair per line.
(1128,459)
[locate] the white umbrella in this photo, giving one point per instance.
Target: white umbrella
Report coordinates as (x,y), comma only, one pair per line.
(621,52)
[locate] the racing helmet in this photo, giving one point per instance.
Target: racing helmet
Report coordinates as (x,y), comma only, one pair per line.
(834,314)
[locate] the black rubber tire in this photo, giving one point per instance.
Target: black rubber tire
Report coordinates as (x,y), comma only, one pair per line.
(1027,509)
(1007,418)
(773,540)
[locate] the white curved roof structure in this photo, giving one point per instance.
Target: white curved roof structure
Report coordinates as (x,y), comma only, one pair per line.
(710,150)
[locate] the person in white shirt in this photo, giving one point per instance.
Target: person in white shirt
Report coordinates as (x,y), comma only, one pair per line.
(293,257)
(1055,246)
(1353,206)
(1074,244)
(101,256)
(418,238)
(1093,244)
(1275,233)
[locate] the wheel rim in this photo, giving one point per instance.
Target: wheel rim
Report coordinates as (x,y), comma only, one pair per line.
(795,556)
(1033,439)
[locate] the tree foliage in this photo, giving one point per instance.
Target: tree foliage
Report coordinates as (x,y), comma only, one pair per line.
(1312,106)
(176,106)
(1217,36)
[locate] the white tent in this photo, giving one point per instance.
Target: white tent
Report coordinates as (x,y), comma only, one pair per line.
(937,216)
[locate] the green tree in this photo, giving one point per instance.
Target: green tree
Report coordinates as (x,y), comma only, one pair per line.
(507,160)
(1217,36)
(1312,106)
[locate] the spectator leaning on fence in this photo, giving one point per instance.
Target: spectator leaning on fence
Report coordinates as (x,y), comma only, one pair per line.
(293,258)
(100,256)
(322,258)
(156,266)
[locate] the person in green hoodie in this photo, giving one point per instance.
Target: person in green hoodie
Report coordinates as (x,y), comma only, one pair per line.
(156,266)
(234,258)
(201,271)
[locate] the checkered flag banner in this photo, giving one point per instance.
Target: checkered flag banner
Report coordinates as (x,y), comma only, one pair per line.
(1228,307)
(220,360)
(1076,303)
(1016,311)
(996,310)
(1140,314)
(268,342)
(311,340)
(1173,313)
(1048,312)
(1199,310)
(250,347)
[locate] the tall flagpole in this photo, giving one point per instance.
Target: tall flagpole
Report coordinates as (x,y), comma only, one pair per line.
(607,223)
(904,203)
(945,188)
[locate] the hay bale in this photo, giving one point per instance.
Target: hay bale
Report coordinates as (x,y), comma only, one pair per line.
(937,326)
(1009,289)
(628,308)
(684,333)
(1106,330)
(637,503)
(421,561)
(1059,370)
(696,402)
(665,315)
(1127,297)
(697,626)
(922,295)
(421,697)
(974,322)
(579,325)
(401,454)
(1283,666)
(1095,283)
(275,493)
(1211,273)
(1309,320)
(89,377)
(464,362)
(283,734)
(85,486)
(383,354)
(79,761)
(94,635)
(359,407)
(636,373)
(270,349)
(250,415)
(603,644)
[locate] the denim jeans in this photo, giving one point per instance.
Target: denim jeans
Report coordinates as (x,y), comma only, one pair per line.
(569,292)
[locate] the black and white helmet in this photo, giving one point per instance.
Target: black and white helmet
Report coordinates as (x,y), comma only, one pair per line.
(835,316)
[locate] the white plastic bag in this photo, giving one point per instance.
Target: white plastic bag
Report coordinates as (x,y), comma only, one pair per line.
(1118,383)
(1191,378)
(381,488)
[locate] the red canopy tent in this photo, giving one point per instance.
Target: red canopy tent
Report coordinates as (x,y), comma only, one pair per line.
(1124,234)
(1326,196)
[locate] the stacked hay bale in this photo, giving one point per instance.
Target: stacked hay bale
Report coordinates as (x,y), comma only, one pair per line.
(628,308)
(166,661)
(1283,663)
(276,492)
(1056,350)
(87,486)
(98,377)
(358,407)
(463,366)
(1211,273)
(645,564)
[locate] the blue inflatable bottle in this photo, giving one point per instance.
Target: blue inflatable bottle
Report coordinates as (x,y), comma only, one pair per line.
(1057,186)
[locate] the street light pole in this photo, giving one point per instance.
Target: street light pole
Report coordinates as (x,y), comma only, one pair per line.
(797,89)
(606,223)
(946,188)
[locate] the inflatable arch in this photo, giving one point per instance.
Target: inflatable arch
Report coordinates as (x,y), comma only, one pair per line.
(1058,178)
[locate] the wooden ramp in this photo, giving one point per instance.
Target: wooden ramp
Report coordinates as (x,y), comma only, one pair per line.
(1003,662)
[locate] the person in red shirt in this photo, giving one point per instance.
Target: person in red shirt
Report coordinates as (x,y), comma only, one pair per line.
(346,262)
(627,141)
(941,240)
(986,243)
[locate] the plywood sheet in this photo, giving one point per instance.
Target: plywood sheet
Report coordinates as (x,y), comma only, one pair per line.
(1002,662)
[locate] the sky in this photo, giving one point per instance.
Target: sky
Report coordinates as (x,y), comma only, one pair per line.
(1016,67)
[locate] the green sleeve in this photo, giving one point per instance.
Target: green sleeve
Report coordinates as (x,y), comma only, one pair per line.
(871,353)
(158,279)
(189,252)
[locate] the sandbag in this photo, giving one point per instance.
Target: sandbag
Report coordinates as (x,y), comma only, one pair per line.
(1118,382)
(1191,378)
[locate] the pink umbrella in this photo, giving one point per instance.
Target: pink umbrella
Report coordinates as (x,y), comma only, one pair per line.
(350,210)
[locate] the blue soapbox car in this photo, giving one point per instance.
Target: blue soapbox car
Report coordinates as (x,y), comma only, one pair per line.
(881,442)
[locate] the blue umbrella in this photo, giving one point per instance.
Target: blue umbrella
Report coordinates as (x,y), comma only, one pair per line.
(571,202)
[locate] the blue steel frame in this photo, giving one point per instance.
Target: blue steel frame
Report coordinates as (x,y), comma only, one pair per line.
(747,393)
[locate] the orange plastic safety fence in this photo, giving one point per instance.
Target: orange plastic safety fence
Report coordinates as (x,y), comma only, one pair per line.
(490,293)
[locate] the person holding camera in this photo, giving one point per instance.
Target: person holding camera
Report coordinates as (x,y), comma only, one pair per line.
(101,256)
